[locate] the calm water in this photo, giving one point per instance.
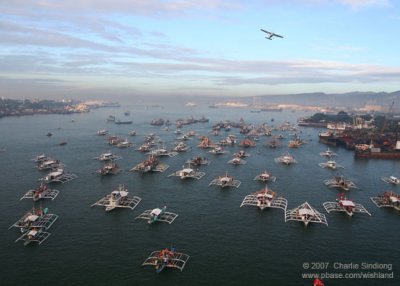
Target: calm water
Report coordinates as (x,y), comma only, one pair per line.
(227,245)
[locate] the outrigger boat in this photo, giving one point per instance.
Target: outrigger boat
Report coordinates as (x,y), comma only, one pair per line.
(158,214)
(237,161)
(50,164)
(162,152)
(118,199)
(342,204)
(341,183)
(132,133)
(206,143)
(102,132)
(247,143)
(217,150)
(330,165)
(306,214)
(197,161)
(42,192)
(36,218)
(124,144)
(225,181)
(188,173)
(241,154)
(328,153)
(387,199)
(391,180)
(265,177)
(41,158)
(151,164)
(286,159)
(265,198)
(146,147)
(228,141)
(108,157)
(166,258)
(181,147)
(34,235)
(58,176)
(110,168)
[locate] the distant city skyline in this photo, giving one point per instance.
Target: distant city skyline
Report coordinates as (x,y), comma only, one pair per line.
(75,48)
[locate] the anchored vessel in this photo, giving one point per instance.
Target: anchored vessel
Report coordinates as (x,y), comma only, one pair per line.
(41,192)
(225,181)
(387,199)
(110,168)
(181,147)
(328,153)
(118,199)
(265,177)
(306,214)
(166,258)
(344,205)
(107,157)
(158,214)
(330,165)
(265,198)
(102,132)
(237,161)
(341,183)
(286,159)
(197,161)
(188,173)
(58,176)
(33,225)
(391,180)
(49,164)
(151,164)
(241,154)
(162,152)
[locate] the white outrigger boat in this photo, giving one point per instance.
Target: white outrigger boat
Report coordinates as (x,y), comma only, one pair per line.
(286,159)
(181,147)
(388,199)
(225,181)
(35,218)
(109,156)
(328,153)
(188,173)
(49,164)
(306,214)
(391,180)
(102,132)
(241,154)
(217,150)
(265,198)
(33,235)
(344,205)
(330,165)
(158,214)
(118,199)
(41,158)
(42,192)
(162,152)
(237,161)
(341,183)
(110,168)
(145,147)
(197,161)
(265,177)
(124,144)
(58,176)
(166,258)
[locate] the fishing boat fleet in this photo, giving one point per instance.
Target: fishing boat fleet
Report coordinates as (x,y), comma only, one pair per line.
(35,224)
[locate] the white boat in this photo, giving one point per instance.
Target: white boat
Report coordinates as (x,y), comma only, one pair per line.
(166,258)
(237,161)
(265,177)
(265,198)
(102,132)
(109,156)
(345,205)
(118,199)
(58,176)
(42,192)
(225,181)
(188,173)
(328,153)
(286,159)
(306,214)
(341,183)
(217,150)
(388,199)
(158,214)
(391,180)
(330,165)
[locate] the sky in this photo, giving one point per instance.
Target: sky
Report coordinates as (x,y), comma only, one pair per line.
(74,48)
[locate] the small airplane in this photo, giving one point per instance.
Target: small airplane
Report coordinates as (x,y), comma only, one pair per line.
(271,34)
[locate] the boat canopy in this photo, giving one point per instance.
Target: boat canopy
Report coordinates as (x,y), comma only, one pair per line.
(347,203)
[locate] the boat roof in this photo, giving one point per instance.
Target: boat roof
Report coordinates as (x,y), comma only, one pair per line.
(31,218)
(56,173)
(394,199)
(347,203)
(32,232)
(306,212)
(156,211)
(187,170)
(122,193)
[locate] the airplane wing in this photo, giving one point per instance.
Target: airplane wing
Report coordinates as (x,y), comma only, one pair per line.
(269,33)
(277,35)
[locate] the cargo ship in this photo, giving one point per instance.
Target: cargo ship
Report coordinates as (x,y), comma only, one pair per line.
(372,152)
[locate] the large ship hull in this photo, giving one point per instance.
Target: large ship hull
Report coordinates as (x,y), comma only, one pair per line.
(392,155)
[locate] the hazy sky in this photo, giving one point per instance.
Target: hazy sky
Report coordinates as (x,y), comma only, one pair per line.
(209,47)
